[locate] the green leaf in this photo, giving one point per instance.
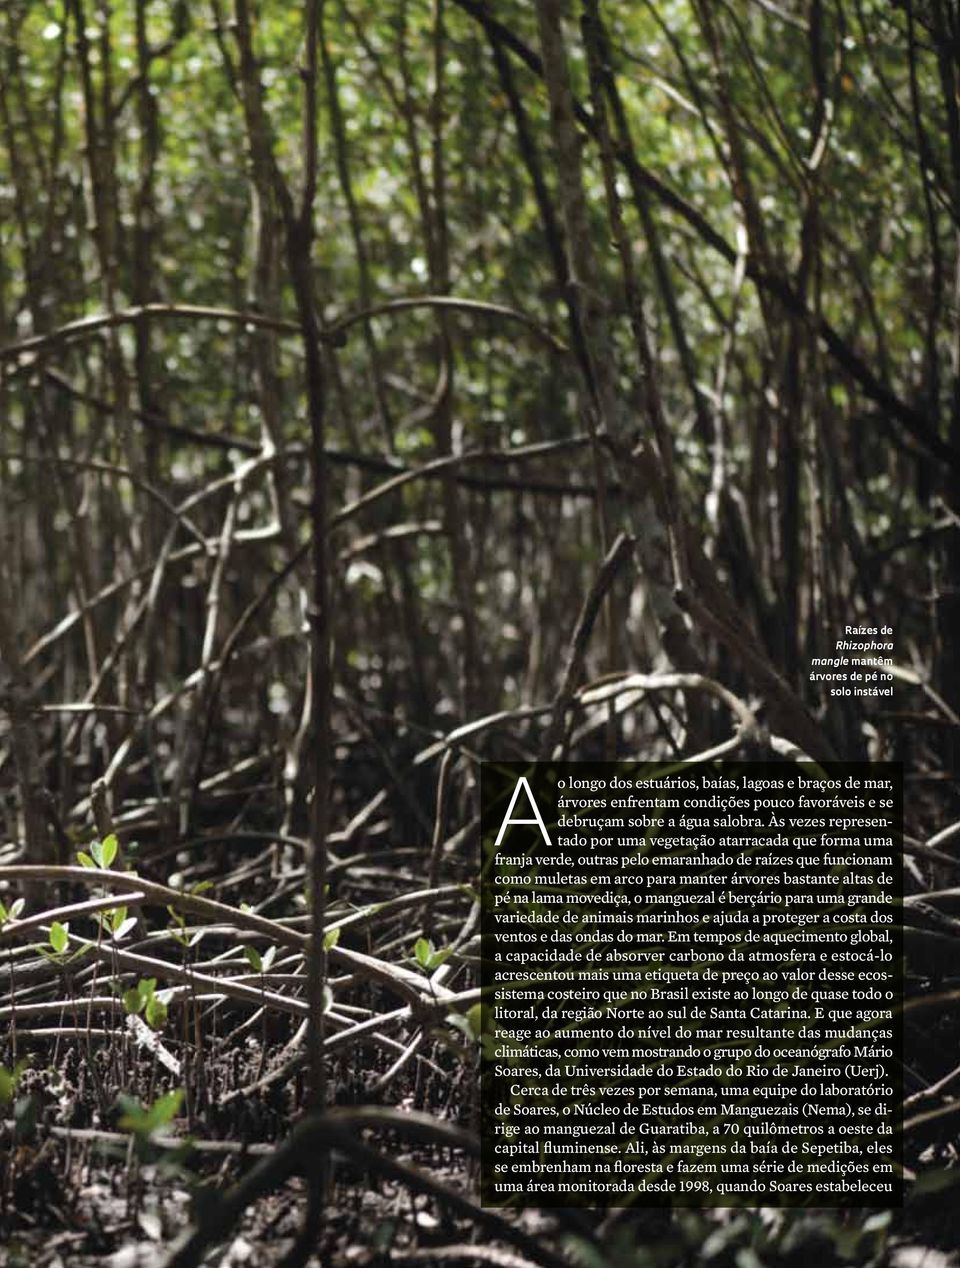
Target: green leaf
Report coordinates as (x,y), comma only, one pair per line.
(478,1019)
(117,917)
(108,850)
(132,1109)
(331,938)
(124,928)
(84,859)
(133,1001)
(9,1079)
(139,997)
(155,1013)
(144,1122)
(166,1108)
(254,959)
(59,937)
(427,955)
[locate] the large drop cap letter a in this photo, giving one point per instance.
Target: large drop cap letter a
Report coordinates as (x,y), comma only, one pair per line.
(508,817)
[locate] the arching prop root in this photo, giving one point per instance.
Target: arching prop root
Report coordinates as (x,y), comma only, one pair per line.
(340,1131)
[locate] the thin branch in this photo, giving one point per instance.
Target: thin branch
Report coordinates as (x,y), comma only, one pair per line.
(332,333)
